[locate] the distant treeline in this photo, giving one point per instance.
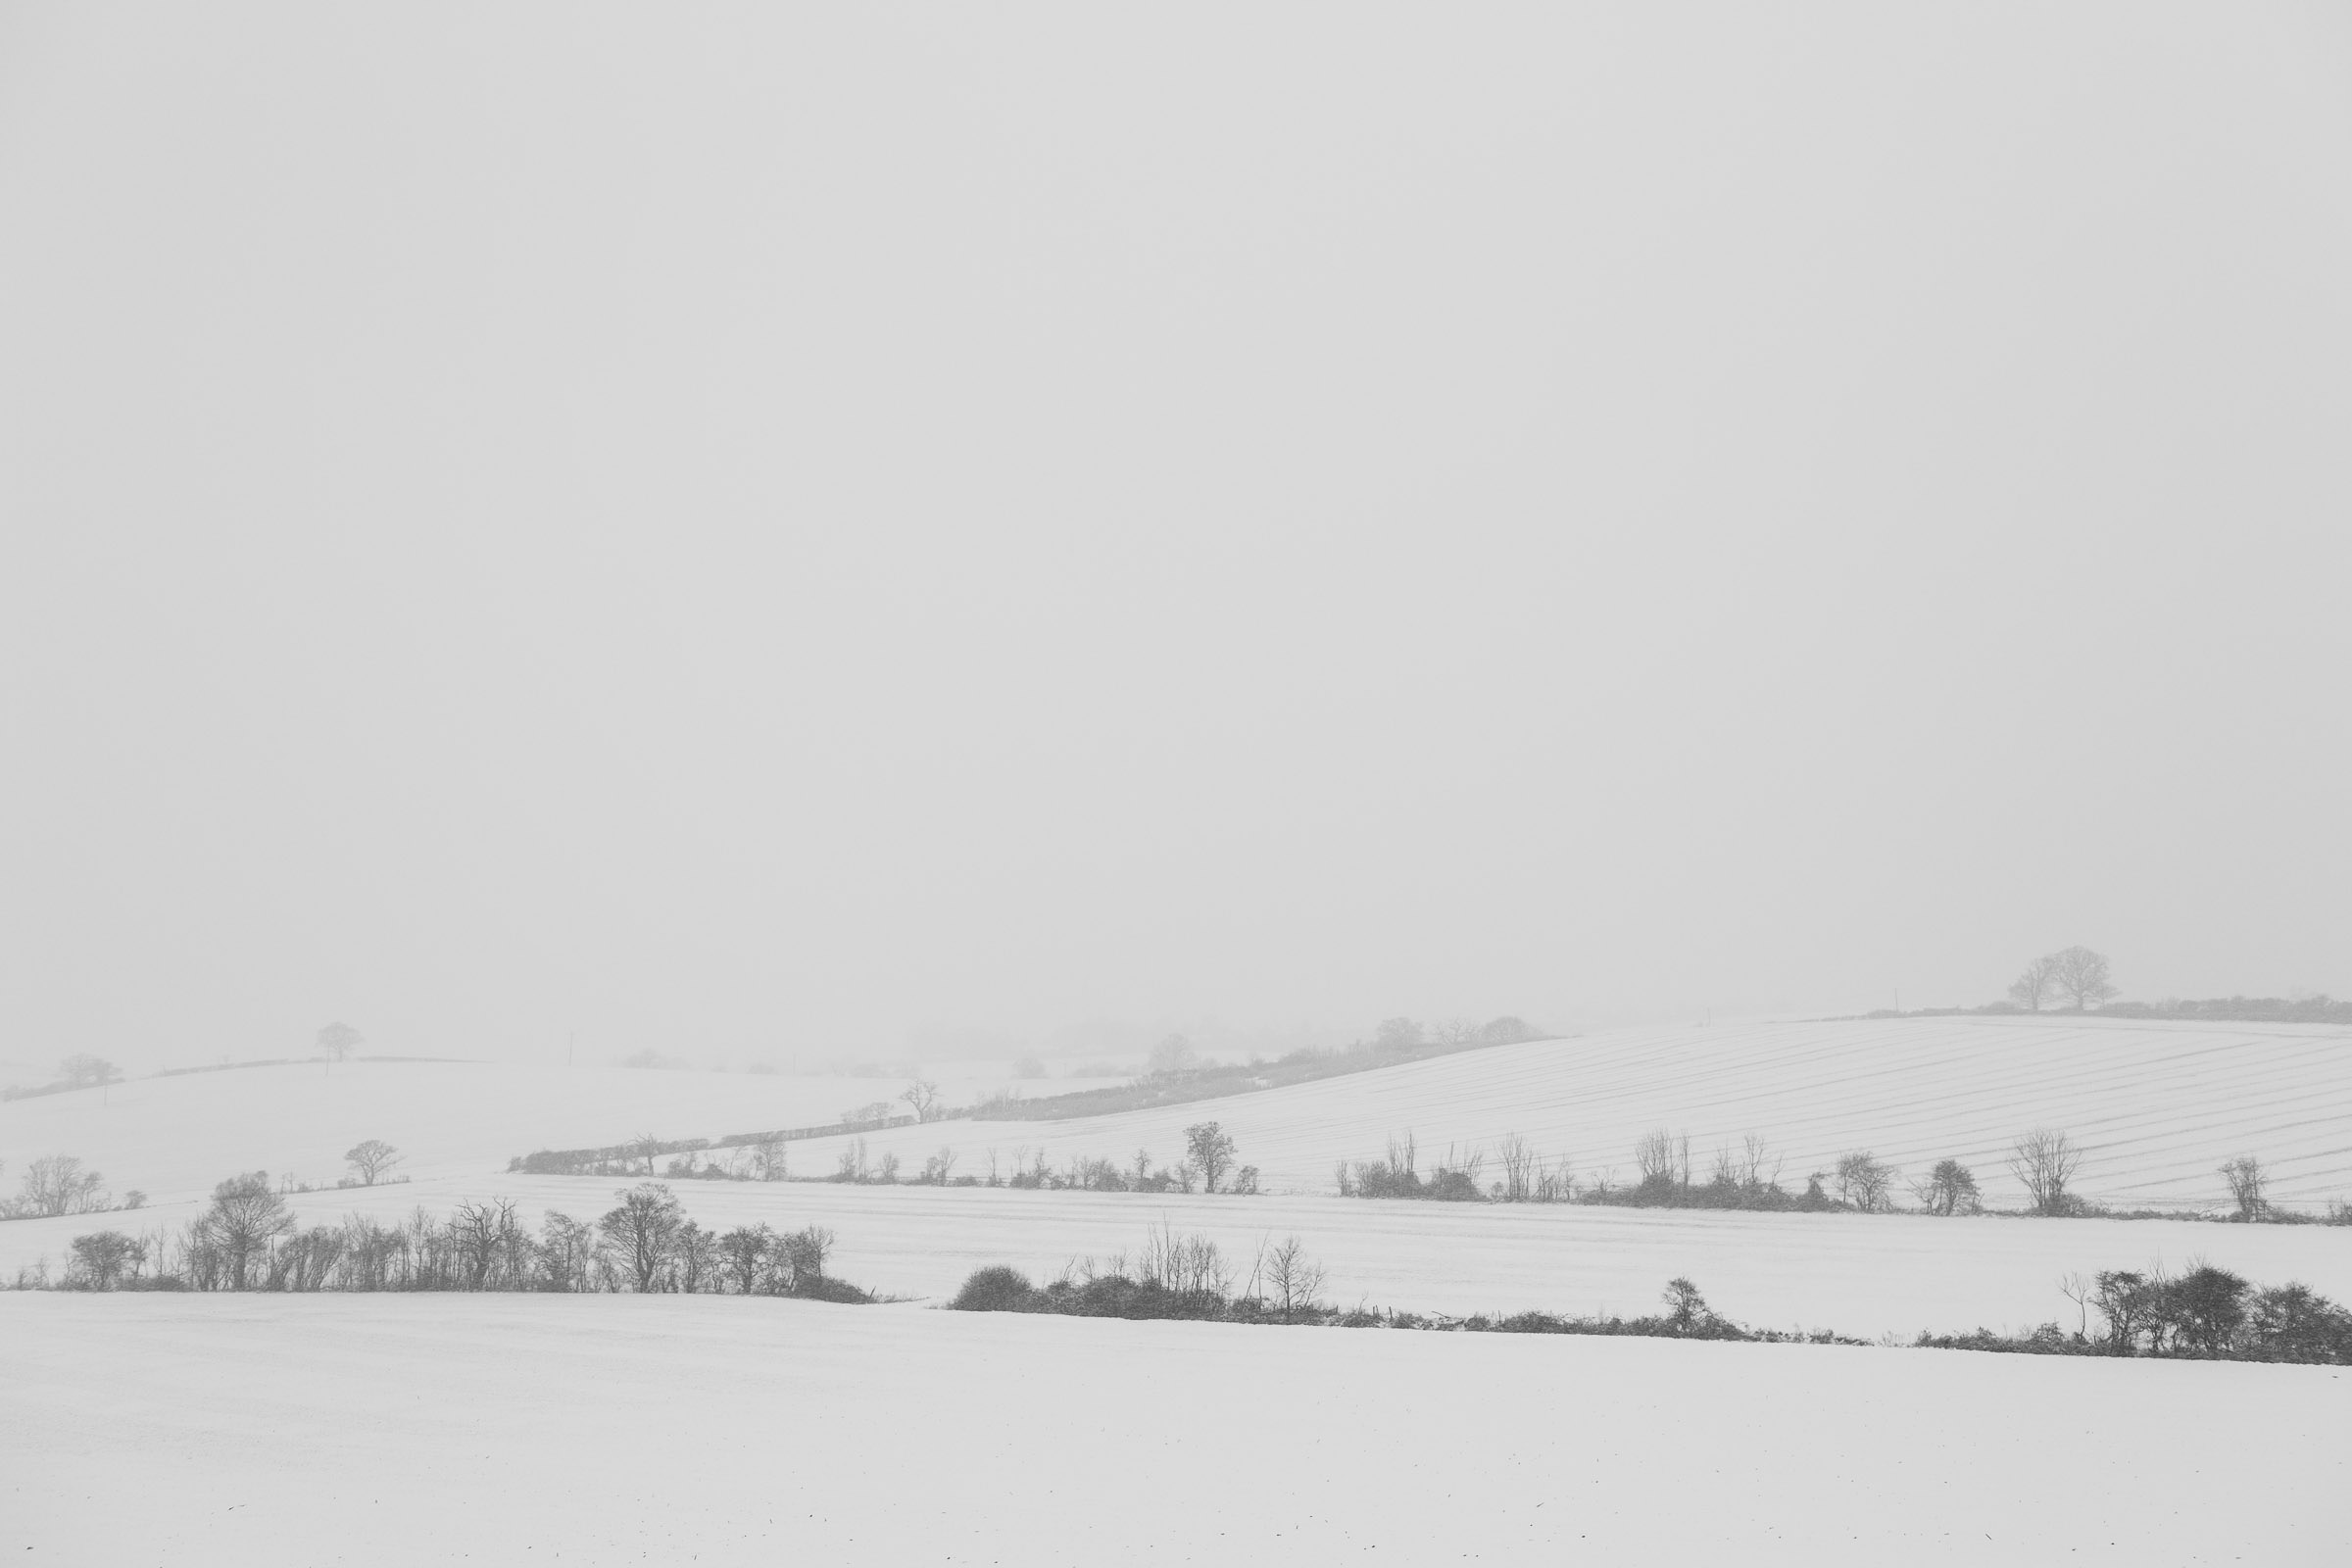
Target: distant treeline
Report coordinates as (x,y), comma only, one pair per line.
(2210,1010)
(636,1157)
(1400,1041)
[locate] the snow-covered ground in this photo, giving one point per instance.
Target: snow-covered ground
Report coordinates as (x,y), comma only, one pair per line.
(593,1430)
(176,1137)
(1859,1274)
(2156,1107)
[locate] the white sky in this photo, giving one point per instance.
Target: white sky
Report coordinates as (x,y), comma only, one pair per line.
(763,531)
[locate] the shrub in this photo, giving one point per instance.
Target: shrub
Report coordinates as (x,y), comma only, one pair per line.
(997,1289)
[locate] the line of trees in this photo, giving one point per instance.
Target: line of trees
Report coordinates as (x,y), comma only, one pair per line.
(1747,1177)
(247,1240)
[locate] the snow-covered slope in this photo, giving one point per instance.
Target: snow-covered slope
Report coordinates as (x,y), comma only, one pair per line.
(176,1137)
(590,1430)
(2156,1107)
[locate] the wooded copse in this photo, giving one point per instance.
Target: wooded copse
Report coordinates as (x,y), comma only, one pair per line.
(247,1240)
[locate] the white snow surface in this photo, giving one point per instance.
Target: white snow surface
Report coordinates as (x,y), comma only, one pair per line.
(2156,1107)
(265,1431)
(176,1137)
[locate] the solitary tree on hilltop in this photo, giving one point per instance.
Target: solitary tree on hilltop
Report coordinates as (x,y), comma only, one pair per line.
(337,1041)
(2082,977)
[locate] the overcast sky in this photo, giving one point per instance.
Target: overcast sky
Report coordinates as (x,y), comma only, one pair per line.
(800,531)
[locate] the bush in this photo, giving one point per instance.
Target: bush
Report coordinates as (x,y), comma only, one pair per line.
(997,1289)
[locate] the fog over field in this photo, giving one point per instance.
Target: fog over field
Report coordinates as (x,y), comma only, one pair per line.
(781,782)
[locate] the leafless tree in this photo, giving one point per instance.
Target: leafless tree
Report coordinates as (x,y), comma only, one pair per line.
(56,1184)
(105,1259)
(1755,1154)
(746,1252)
(1175,1053)
(1555,1183)
(1863,1182)
(371,1162)
(337,1041)
(2082,977)
(85,1071)
(2045,1162)
(1458,1034)
(569,1254)
(937,1167)
(481,1235)
(1400,1034)
(2247,1182)
(696,1253)
(923,1096)
(805,1252)
(886,1170)
(769,1159)
(1685,1307)
(2081,1289)
(644,1146)
(1507,1031)
(1182,1262)
(644,1230)
(1655,1155)
(1518,1168)
(1290,1277)
(1950,1188)
(2037,985)
(850,1163)
(245,1216)
(1210,1149)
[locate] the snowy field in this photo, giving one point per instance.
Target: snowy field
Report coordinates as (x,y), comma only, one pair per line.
(591,1429)
(176,1137)
(1859,1274)
(2157,1106)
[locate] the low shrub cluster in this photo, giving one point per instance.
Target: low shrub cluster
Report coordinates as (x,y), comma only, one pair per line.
(246,1240)
(1186,1279)
(2204,1314)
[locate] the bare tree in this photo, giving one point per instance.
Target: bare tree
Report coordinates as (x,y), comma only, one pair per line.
(246,1215)
(1210,1148)
(769,1159)
(644,1230)
(1400,1034)
(2247,1181)
(1950,1188)
(804,1252)
(1507,1031)
(1655,1156)
(85,1071)
(371,1162)
(482,1235)
(923,1096)
(1863,1182)
(1458,1034)
(747,1252)
(2081,1289)
(337,1041)
(2044,1160)
(2037,985)
(937,1167)
(1518,1169)
(2080,976)
(1175,1053)
(105,1259)
(1686,1309)
(56,1184)
(1290,1277)
(698,1258)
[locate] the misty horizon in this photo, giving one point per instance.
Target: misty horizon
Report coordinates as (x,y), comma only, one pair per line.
(763,542)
